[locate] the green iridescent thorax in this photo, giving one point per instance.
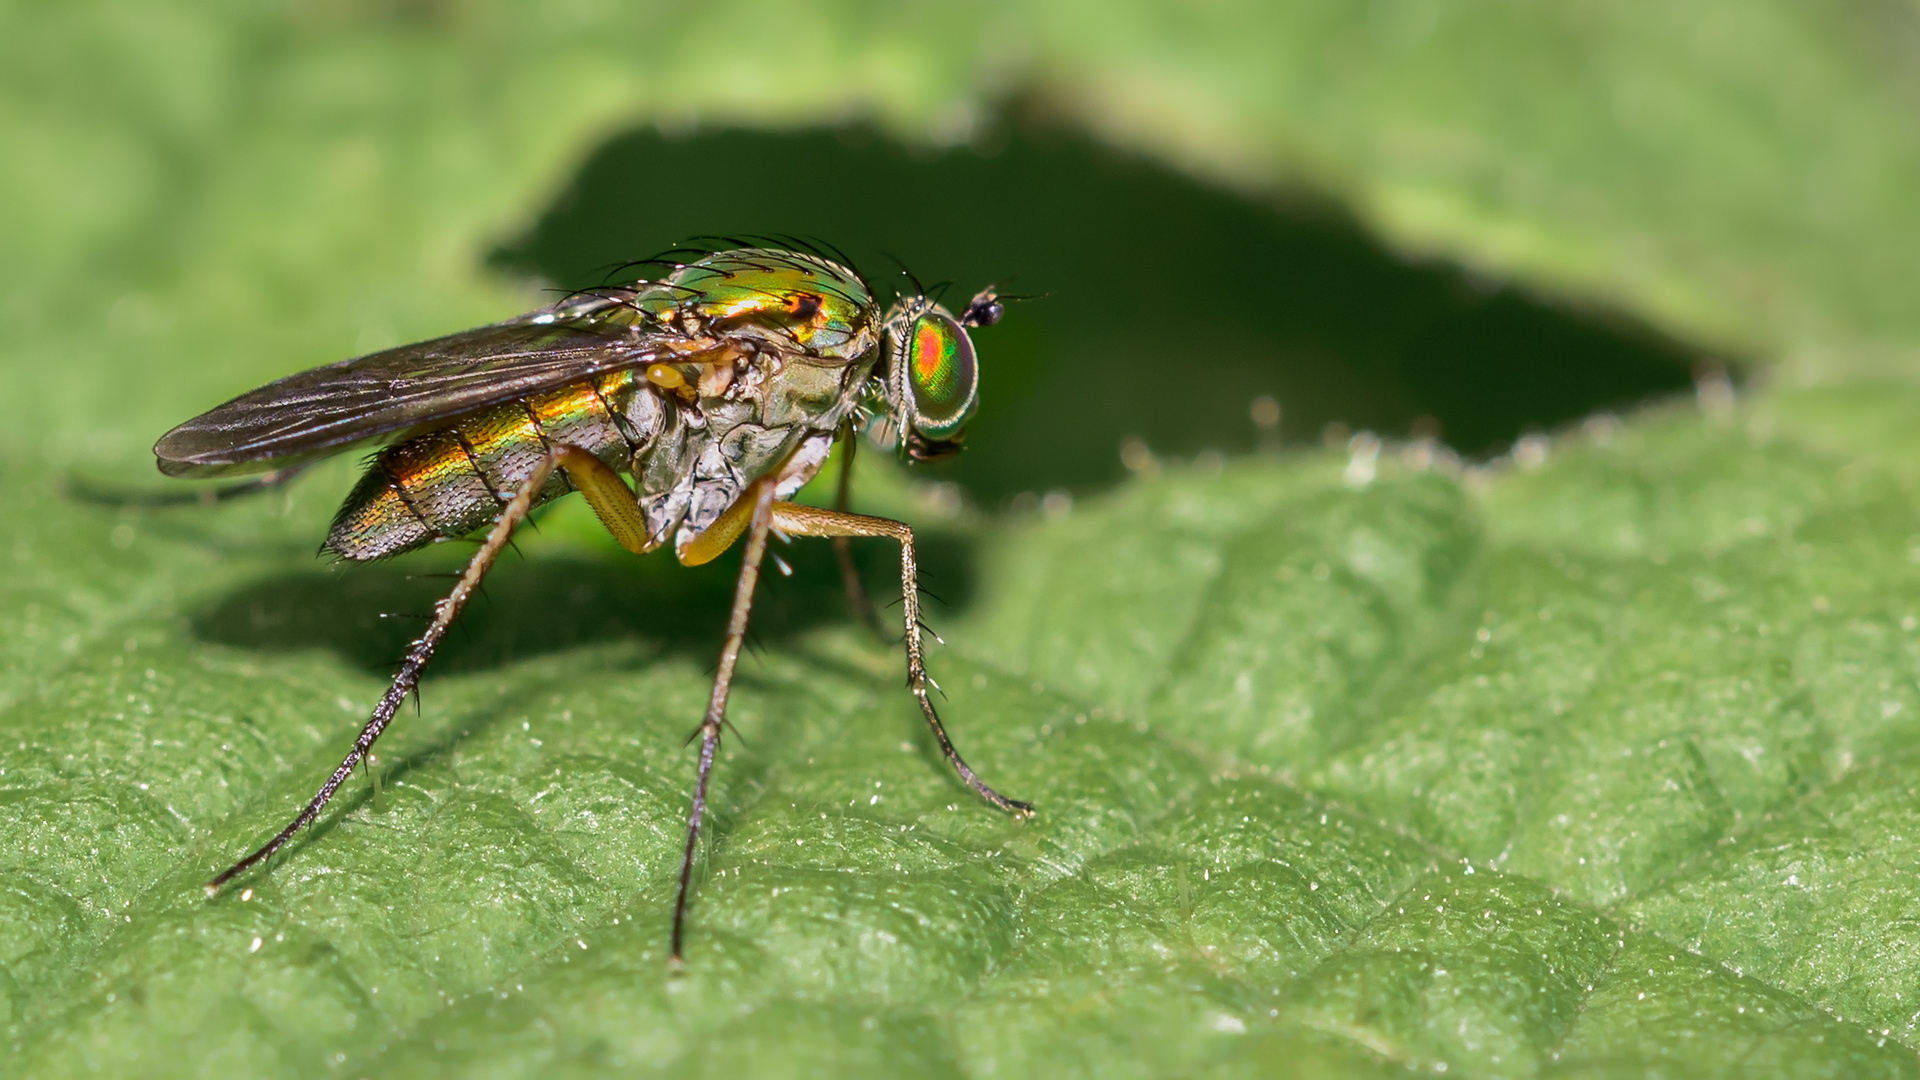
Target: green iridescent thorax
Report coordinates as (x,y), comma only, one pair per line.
(798,336)
(789,299)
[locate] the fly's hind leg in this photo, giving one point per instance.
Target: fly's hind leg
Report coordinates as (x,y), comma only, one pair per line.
(581,469)
(797,520)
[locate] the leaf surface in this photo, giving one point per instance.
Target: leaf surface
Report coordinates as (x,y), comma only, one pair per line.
(1598,767)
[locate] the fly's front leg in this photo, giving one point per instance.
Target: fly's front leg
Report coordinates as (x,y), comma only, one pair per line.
(797,520)
(581,469)
(709,730)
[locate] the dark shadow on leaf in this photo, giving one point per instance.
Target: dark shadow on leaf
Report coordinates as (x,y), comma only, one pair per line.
(548,603)
(1166,306)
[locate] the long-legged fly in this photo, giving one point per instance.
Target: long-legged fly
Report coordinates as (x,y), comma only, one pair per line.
(720,388)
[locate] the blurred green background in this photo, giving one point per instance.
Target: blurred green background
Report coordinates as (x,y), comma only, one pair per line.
(1491,216)
(1470,220)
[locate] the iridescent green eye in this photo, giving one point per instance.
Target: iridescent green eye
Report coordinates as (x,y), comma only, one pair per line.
(945,380)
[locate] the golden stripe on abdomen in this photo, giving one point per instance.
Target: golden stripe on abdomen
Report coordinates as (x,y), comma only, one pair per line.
(578,416)
(412,493)
(451,481)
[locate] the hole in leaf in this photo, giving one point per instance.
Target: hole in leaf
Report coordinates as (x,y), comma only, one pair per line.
(1168,309)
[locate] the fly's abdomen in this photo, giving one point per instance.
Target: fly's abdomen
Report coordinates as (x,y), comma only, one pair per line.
(454,478)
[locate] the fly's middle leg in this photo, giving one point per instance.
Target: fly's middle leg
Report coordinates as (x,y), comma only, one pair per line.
(798,520)
(709,731)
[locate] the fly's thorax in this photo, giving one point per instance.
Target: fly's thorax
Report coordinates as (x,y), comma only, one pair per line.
(778,419)
(801,391)
(789,301)
(761,410)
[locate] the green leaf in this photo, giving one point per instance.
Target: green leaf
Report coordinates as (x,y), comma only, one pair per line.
(1593,761)
(1430,768)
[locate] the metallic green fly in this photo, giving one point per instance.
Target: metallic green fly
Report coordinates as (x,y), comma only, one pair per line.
(720,388)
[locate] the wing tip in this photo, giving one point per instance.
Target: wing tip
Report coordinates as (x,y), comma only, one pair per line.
(178,454)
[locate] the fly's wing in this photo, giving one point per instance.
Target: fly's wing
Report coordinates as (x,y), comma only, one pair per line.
(316,413)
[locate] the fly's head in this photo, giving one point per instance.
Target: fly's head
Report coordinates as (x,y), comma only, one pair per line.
(928,381)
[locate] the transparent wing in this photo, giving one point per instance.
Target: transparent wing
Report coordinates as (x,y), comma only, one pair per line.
(323,411)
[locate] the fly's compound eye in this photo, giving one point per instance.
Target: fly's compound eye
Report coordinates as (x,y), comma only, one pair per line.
(944,376)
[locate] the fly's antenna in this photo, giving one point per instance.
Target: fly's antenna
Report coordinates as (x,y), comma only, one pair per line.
(984,309)
(988,305)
